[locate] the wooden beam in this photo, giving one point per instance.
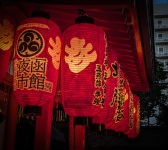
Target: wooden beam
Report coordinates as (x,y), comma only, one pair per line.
(43,128)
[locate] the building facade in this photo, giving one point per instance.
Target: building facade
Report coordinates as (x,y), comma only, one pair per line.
(161,36)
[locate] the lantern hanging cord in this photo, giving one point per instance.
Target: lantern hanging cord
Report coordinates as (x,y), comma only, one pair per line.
(82,12)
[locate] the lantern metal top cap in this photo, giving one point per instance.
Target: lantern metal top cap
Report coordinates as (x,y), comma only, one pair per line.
(40,13)
(84,18)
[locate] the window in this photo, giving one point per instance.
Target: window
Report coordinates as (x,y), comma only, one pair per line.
(164,64)
(160,50)
(160,36)
(161,63)
(159,23)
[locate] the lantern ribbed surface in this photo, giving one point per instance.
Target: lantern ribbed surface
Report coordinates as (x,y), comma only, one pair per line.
(134,121)
(83,64)
(119,104)
(36,61)
(123,124)
(111,84)
(7,30)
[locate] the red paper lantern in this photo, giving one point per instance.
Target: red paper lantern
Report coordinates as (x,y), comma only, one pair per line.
(134,119)
(111,84)
(123,124)
(7,30)
(119,104)
(83,64)
(36,61)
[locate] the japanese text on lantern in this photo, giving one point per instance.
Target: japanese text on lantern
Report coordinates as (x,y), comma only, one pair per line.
(30,71)
(31,74)
(119,97)
(100,83)
(106,74)
(138,117)
(131,111)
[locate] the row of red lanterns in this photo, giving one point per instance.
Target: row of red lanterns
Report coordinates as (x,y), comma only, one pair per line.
(92,83)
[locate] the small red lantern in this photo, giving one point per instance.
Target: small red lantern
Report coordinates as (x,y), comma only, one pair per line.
(119,104)
(122,125)
(83,64)
(134,119)
(36,61)
(111,84)
(7,30)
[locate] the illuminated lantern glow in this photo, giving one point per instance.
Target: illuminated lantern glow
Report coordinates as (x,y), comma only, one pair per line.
(118,103)
(36,61)
(134,119)
(123,124)
(83,63)
(7,31)
(131,112)
(112,77)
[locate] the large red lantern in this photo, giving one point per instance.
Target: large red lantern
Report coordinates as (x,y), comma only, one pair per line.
(83,64)
(134,119)
(111,84)
(7,30)
(36,61)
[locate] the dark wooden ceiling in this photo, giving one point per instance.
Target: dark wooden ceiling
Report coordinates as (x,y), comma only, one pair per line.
(127,24)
